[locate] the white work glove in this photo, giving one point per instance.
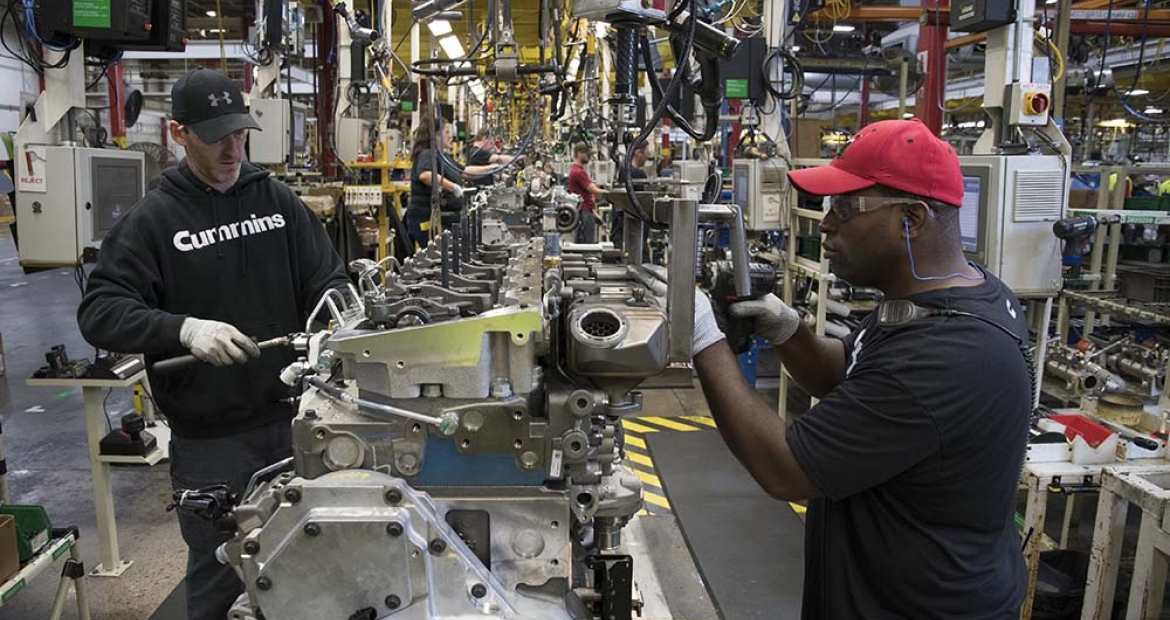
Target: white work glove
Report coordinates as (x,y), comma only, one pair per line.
(216,343)
(707,330)
(771,318)
(457,191)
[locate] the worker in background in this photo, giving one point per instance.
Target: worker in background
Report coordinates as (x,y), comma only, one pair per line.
(482,152)
(637,173)
(1113,184)
(581,185)
(218,255)
(911,458)
(451,175)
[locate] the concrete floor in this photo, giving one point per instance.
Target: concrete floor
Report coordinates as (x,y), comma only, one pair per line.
(44,440)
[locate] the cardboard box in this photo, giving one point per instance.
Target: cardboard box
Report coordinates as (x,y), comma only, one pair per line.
(9,557)
(1082,199)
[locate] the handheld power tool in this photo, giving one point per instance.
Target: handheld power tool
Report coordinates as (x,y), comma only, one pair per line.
(1075,231)
(719,282)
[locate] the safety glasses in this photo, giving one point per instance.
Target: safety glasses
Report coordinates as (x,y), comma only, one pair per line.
(846,207)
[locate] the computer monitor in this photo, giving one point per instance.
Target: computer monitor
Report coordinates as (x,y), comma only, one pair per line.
(969,213)
(973,213)
(741,185)
(298,128)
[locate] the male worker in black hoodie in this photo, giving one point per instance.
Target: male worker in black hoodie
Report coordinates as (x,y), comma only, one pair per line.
(216,256)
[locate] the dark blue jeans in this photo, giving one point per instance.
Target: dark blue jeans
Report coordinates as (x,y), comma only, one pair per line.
(213,587)
(586,227)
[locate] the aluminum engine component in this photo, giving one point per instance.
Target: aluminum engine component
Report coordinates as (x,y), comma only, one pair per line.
(456,453)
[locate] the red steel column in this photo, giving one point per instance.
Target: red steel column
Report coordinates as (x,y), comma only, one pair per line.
(327,81)
(117,92)
(931,38)
(863,111)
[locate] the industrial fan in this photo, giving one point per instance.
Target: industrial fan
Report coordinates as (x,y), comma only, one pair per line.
(157,157)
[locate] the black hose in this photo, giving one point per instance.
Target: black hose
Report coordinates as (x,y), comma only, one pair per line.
(659,111)
(796,88)
(676,117)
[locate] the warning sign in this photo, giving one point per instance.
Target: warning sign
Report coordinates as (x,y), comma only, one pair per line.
(30,170)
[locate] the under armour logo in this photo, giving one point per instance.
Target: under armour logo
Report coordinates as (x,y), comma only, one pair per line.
(1010,309)
(215,100)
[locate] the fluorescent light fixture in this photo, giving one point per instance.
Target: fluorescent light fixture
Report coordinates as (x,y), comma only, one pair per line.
(1051,1)
(1116,123)
(451,46)
(1138,92)
(477,88)
(844,28)
(1153,110)
(440,28)
(211,13)
(795,48)
(907,115)
(427,10)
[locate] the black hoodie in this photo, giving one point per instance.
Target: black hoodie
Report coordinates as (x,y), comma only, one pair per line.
(254,257)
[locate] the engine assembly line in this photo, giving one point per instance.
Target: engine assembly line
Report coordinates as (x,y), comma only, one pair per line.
(583,309)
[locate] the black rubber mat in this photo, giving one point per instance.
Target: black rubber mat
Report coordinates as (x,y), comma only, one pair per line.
(175,605)
(749,548)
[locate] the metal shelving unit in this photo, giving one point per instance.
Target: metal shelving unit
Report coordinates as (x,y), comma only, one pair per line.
(795,266)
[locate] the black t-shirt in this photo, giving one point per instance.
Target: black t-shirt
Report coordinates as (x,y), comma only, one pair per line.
(918,454)
(635,173)
(420,193)
(477,156)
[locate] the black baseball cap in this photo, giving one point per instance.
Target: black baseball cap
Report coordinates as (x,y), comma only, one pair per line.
(210,104)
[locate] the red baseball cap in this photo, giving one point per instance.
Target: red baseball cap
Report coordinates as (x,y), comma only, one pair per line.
(903,155)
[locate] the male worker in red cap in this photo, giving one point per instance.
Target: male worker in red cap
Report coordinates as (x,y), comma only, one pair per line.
(912,456)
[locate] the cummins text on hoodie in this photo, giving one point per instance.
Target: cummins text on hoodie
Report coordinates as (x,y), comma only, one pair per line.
(254,257)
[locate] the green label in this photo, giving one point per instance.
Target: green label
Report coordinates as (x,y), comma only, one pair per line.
(91,13)
(408,106)
(735,89)
(11,592)
(59,551)
(1134,219)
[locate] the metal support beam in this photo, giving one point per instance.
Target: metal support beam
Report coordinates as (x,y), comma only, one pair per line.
(884,14)
(327,76)
(117,91)
(931,38)
(863,107)
(1063,22)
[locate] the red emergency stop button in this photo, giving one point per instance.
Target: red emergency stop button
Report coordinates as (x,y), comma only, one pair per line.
(1036,103)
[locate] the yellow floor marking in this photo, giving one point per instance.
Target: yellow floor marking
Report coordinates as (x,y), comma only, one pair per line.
(798,508)
(668,423)
(639,459)
(656,499)
(637,428)
(637,442)
(647,478)
(704,420)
